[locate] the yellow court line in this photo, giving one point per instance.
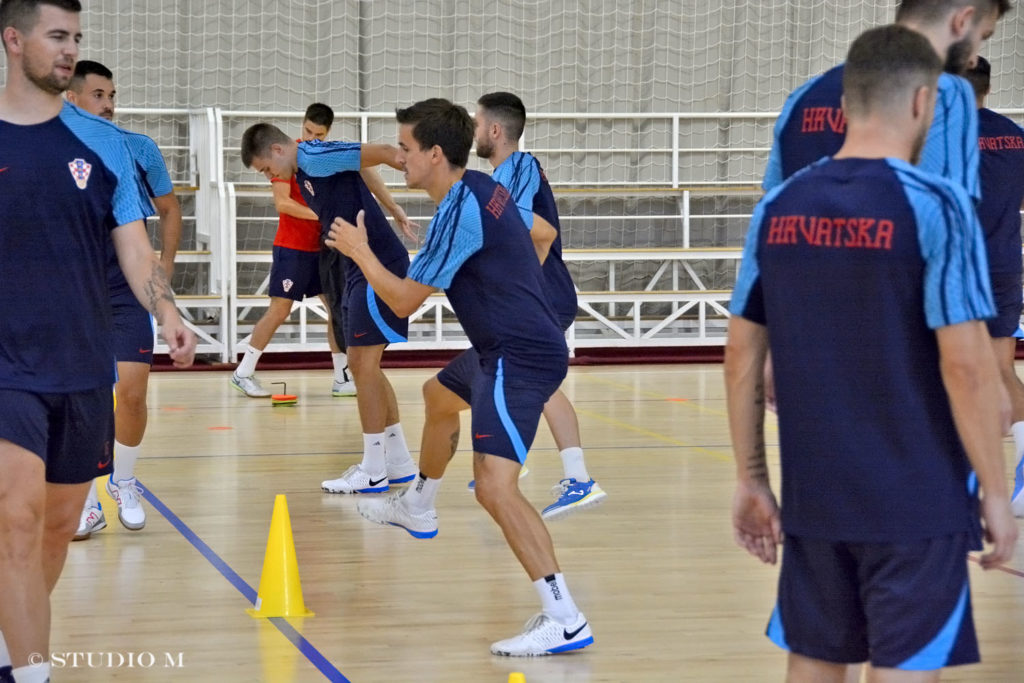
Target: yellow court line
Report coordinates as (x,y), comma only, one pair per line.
(718,455)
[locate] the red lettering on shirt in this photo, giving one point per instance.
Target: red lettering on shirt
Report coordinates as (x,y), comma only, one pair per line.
(851,232)
(498,201)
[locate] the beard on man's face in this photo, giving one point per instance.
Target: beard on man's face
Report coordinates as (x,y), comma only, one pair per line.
(958,57)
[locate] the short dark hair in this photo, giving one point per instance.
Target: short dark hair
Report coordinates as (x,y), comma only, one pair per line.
(980,77)
(885,63)
(23,14)
(258,138)
(933,10)
(320,114)
(508,109)
(439,122)
(86,67)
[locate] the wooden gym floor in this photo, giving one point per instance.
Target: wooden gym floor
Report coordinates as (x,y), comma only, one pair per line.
(668,594)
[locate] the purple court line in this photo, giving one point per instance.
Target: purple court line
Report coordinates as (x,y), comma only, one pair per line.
(315,657)
(1000,567)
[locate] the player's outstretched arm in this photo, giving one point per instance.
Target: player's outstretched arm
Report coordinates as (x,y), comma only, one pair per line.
(402,295)
(149,282)
(377,153)
(284,203)
(376,185)
(169,210)
(543,235)
(971,377)
(755,513)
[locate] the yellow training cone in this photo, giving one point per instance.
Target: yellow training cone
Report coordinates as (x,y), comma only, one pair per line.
(280,593)
(516,678)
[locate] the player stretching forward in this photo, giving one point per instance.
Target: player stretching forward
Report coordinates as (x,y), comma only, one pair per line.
(295,273)
(477,238)
(1002,183)
(68,188)
(868,278)
(500,120)
(92,89)
(328,173)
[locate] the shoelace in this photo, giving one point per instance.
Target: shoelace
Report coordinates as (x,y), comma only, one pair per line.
(129,494)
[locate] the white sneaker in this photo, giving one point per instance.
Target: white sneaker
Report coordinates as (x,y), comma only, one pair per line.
(545,636)
(402,472)
(91,522)
(250,386)
(345,388)
(356,480)
(391,510)
(129,503)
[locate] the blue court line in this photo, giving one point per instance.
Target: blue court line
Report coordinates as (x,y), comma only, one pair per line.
(287,630)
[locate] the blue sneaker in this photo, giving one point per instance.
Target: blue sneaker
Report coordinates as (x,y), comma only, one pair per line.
(573,496)
(522,473)
(1017,499)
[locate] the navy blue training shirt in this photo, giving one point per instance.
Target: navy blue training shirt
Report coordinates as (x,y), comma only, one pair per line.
(852,265)
(64,185)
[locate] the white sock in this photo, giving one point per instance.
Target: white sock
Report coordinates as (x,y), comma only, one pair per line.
(248,365)
(395,445)
(572,464)
(421,495)
(1017,429)
(373,453)
(340,361)
(91,500)
(5,656)
(33,673)
(555,599)
(124,461)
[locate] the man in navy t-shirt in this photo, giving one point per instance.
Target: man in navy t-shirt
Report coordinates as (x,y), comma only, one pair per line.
(812,125)
(476,238)
(1001,142)
(92,89)
(329,178)
(68,187)
(500,120)
(867,278)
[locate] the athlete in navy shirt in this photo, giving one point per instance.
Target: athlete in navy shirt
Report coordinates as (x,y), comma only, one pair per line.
(476,239)
(92,89)
(500,120)
(868,277)
(1001,142)
(812,124)
(67,187)
(328,175)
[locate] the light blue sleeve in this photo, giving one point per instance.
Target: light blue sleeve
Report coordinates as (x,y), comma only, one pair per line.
(454,235)
(151,161)
(957,287)
(107,141)
(750,273)
(321,159)
(773,172)
(520,174)
(951,149)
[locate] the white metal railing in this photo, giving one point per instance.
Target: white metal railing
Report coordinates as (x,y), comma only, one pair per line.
(674,307)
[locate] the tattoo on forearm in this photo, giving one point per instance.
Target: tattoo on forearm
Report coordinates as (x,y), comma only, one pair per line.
(757,463)
(454,445)
(157,289)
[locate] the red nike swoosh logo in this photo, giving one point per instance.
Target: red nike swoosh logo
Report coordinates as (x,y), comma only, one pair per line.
(360,334)
(145,350)
(482,436)
(4,169)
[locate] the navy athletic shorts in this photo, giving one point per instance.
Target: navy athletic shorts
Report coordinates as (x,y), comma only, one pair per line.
(295,274)
(72,433)
(897,605)
(1006,289)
